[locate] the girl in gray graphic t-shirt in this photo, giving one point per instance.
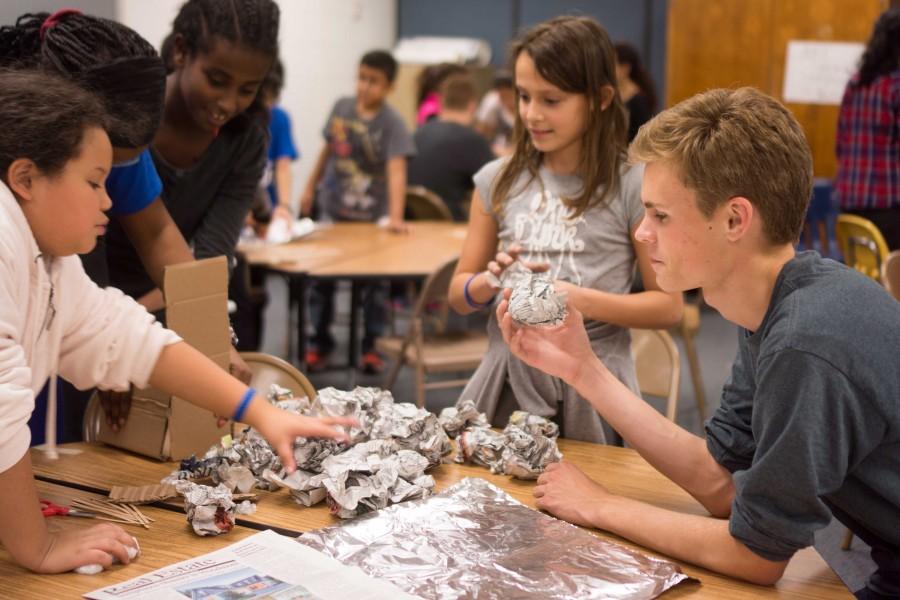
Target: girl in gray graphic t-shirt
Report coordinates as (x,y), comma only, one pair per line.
(564,201)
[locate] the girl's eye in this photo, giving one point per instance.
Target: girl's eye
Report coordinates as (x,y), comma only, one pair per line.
(551,101)
(249,91)
(524,98)
(661,217)
(95,186)
(216,82)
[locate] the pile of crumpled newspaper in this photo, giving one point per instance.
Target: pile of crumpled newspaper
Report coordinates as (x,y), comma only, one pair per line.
(384,463)
(523,449)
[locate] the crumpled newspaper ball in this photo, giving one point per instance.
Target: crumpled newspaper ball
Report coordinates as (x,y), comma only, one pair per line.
(523,449)
(534,301)
(456,418)
(533,424)
(373,475)
(481,446)
(210,510)
(510,277)
(526,455)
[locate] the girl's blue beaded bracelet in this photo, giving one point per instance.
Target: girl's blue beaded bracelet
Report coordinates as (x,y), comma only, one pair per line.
(468,298)
(245,402)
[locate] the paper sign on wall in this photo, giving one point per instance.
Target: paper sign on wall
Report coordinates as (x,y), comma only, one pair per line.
(818,72)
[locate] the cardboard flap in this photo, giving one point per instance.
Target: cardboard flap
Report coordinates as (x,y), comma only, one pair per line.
(192,430)
(196,279)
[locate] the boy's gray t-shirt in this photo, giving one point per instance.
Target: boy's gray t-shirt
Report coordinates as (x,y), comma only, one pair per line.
(354,185)
(810,418)
(594,251)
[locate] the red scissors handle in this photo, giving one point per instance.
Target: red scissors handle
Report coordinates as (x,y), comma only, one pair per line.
(50,509)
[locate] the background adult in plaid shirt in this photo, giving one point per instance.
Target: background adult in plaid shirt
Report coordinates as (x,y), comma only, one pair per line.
(868,137)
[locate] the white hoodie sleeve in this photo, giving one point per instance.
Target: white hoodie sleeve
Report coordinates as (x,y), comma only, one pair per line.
(16,397)
(108,340)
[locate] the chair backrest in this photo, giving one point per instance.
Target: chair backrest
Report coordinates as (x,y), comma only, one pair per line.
(435,288)
(424,205)
(890,273)
(268,369)
(862,244)
(658,366)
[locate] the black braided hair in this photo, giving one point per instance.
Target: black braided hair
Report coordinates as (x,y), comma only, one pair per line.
(105,57)
(43,117)
(252,24)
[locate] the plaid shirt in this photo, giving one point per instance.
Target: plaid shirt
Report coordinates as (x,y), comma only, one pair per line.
(868,144)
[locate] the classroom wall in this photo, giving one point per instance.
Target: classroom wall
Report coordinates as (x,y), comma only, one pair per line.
(639,22)
(11,9)
(321,43)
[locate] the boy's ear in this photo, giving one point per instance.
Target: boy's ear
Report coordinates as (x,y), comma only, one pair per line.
(21,177)
(740,216)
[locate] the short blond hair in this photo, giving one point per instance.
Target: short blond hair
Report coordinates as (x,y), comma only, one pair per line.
(726,143)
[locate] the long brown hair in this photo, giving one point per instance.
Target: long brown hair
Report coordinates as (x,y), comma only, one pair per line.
(576,55)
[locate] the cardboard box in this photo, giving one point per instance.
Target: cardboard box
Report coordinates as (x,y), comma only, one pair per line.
(163,426)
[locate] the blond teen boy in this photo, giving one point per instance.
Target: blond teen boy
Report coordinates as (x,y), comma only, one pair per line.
(809,423)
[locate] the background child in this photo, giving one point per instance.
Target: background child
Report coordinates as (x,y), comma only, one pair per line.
(282,151)
(430,80)
(360,175)
(565,200)
(496,115)
(54,159)
(635,86)
(448,150)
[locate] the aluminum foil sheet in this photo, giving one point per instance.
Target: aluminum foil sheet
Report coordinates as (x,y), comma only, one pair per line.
(475,541)
(534,301)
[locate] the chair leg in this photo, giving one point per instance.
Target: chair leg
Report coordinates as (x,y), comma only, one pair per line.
(694,363)
(393,372)
(848,539)
(420,385)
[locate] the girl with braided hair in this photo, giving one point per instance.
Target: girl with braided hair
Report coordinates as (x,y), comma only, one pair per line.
(210,149)
(126,73)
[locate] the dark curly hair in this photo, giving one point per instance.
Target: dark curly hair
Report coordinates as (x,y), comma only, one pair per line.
(43,117)
(252,24)
(882,53)
(104,57)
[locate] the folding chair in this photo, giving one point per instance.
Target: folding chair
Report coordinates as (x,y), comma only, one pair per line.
(658,366)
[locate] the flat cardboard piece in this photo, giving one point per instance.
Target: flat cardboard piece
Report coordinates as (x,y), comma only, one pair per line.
(143,494)
(166,427)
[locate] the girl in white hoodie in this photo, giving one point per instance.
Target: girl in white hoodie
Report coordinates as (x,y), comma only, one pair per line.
(54,159)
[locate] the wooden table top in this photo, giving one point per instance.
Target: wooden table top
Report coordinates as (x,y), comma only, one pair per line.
(169,540)
(622,470)
(363,249)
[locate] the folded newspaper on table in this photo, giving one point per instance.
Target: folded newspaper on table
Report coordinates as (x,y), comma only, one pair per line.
(265,565)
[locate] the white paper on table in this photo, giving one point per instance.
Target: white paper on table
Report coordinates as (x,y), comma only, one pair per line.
(817,72)
(263,565)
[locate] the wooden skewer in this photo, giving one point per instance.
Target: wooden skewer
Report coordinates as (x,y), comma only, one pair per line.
(119,513)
